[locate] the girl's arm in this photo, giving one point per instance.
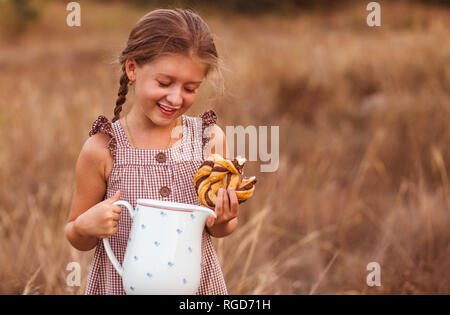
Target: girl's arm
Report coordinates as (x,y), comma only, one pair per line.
(89,216)
(227,205)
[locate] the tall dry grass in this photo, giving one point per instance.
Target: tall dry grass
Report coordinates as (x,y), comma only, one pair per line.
(364,154)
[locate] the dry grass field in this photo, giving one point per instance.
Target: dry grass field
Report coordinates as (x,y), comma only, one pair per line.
(364,145)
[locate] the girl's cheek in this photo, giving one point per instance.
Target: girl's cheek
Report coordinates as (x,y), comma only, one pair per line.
(186,107)
(149,95)
(191,98)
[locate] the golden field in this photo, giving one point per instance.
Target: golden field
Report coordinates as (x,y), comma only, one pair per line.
(364,145)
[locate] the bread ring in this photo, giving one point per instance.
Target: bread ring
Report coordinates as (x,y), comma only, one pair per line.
(215,173)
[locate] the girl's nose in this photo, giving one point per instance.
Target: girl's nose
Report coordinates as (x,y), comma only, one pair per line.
(175,98)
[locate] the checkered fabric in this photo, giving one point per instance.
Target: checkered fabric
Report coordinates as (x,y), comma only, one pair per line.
(139,174)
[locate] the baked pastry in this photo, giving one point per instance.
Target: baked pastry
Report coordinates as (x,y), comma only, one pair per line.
(217,172)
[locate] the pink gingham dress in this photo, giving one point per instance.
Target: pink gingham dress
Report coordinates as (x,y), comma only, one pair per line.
(153,174)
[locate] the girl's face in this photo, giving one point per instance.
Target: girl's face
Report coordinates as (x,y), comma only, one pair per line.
(166,87)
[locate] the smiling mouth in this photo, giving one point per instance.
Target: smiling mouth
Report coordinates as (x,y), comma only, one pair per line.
(167,108)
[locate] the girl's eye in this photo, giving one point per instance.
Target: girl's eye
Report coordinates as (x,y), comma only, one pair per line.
(163,84)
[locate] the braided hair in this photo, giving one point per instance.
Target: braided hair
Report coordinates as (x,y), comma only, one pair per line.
(121,95)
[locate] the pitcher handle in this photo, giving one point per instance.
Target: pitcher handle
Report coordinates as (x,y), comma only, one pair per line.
(109,252)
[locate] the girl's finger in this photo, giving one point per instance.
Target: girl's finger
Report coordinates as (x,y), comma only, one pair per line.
(226,204)
(116,209)
(210,221)
(219,204)
(234,202)
(116,216)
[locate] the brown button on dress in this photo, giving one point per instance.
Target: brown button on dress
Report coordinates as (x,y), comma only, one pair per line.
(161,157)
(164,191)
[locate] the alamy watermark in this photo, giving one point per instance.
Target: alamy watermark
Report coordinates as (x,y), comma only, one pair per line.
(235,138)
(258,147)
(374,17)
(74,17)
(73,279)
(374,277)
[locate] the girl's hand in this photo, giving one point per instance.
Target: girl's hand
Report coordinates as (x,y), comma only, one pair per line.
(227,208)
(101,220)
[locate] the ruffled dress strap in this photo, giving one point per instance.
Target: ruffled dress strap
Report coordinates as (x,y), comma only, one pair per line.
(102,124)
(209,118)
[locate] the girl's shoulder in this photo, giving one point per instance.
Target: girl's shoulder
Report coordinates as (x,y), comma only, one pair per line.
(99,148)
(103,134)
(209,118)
(97,145)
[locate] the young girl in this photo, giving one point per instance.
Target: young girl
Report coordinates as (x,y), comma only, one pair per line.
(167,56)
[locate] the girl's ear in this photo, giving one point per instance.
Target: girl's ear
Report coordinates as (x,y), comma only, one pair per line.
(130,68)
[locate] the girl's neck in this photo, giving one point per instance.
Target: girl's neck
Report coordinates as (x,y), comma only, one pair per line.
(145,134)
(142,124)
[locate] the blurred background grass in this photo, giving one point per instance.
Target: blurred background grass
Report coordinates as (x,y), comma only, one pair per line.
(364,155)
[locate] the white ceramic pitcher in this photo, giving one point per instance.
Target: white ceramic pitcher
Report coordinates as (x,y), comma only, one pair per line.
(163,254)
